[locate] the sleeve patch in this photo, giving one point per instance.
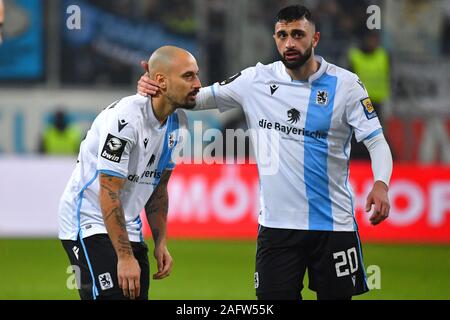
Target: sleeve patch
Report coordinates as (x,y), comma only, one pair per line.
(231,79)
(113,148)
(369,110)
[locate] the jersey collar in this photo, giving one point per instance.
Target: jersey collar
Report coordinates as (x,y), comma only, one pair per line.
(323,67)
(152,118)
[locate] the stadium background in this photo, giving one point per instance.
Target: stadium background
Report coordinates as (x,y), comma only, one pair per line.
(46,66)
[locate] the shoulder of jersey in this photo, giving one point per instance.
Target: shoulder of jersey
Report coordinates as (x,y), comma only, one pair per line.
(131,105)
(344,75)
(265,71)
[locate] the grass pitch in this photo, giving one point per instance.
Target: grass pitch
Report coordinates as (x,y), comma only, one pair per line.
(37,269)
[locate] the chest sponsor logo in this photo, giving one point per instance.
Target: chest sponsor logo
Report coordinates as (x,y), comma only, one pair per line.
(290,130)
(322,97)
(293,115)
(145,142)
(369,110)
(113,148)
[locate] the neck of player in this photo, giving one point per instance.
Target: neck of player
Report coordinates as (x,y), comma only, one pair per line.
(162,108)
(304,72)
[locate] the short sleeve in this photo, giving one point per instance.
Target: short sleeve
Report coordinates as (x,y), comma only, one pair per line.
(230,93)
(361,114)
(117,138)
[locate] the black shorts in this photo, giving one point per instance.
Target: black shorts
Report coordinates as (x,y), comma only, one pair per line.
(333,259)
(101,265)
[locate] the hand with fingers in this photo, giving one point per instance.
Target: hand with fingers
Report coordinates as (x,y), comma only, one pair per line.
(147,87)
(164,262)
(378,198)
(129,276)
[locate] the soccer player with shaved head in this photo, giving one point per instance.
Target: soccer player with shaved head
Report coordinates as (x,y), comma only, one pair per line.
(124,166)
(307,212)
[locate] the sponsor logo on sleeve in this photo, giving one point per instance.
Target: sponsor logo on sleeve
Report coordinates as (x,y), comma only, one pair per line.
(113,148)
(369,110)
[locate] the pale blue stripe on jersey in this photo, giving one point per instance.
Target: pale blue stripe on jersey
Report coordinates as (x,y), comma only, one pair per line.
(139,222)
(112,173)
(373,134)
(80,233)
(172,125)
(318,118)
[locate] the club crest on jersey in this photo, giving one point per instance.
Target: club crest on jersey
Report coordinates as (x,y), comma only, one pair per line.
(369,110)
(293,115)
(322,97)
(113,148)
(171,141)
(105,281)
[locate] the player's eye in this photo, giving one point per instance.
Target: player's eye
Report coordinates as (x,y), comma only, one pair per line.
(282,35)
(297,35)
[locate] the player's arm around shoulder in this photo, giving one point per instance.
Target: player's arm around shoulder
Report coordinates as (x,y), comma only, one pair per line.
(156,210)
(128,270)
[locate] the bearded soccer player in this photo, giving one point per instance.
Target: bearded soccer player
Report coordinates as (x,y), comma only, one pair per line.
(306,218)
(124,165)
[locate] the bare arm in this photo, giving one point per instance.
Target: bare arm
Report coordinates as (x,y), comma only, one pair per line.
(128,270)
(156,210)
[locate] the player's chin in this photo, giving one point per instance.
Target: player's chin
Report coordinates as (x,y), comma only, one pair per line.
(189,105)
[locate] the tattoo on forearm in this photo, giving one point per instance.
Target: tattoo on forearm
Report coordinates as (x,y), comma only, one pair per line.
(113,195)
(124,245)
(120,218)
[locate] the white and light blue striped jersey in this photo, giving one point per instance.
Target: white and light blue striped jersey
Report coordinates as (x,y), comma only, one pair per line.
(314,121)
(125,140)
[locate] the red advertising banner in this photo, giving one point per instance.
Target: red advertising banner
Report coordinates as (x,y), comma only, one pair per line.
(222,201)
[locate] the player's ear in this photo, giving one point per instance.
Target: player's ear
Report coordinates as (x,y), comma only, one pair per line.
(316,38)
(161,80)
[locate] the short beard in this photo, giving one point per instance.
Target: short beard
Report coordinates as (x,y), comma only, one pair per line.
(300,61)
(189,106)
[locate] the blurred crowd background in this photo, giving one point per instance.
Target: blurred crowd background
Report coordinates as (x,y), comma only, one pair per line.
(54,79)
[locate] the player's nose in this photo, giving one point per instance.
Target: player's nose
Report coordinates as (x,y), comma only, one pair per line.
(289,43)
(197,84)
